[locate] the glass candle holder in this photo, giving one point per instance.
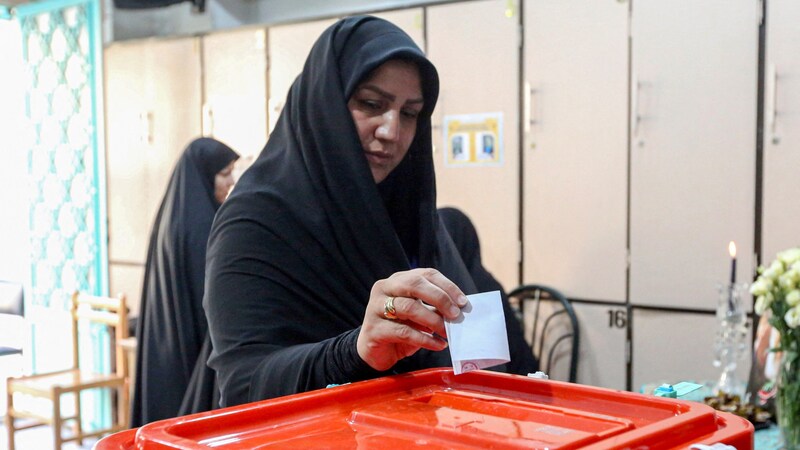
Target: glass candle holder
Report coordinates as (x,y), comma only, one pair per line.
(730,342)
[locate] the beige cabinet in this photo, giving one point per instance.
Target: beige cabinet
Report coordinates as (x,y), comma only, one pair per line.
(235,90)
(603,345)
(781,208)
(152,99)
(575,149)
(288,47)
(160,95)
(670,347)
(474,46)
(693,128)
(575,170)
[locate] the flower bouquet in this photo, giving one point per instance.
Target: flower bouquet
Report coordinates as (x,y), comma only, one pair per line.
(777,292)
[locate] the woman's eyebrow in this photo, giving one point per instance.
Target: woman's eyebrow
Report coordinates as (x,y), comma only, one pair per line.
(387,95)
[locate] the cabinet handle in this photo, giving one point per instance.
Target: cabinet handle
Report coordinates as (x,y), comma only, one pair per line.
(146,127)
(636,117)
(526,108)
(772,113)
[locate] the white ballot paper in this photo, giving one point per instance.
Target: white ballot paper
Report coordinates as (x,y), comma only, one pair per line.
(478,338)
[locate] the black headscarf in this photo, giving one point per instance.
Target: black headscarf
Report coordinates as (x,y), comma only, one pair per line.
(172,326)
(295,250)
(465,238)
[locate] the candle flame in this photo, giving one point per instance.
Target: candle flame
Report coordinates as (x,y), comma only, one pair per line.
(732,249)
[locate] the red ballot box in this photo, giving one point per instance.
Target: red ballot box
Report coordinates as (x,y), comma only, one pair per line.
(438,410)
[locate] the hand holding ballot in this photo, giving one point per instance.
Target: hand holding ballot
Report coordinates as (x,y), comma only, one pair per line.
(406,312)
(420,308)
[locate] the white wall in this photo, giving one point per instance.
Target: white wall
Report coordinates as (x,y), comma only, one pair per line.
(13,167)
(13,203)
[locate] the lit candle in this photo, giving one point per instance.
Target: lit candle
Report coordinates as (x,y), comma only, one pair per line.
(732,251)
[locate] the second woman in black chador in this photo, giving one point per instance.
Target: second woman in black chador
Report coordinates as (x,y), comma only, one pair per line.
(172,325)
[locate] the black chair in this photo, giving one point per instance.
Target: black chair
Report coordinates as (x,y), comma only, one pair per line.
(12,303)
(554,326)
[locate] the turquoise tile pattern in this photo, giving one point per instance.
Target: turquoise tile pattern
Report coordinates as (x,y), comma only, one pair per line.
(66,176)
(62,54)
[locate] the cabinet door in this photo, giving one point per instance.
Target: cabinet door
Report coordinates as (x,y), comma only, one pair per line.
(288,49)
(602,345)
(235,90)
(152,113)
(128,132)
(669,347)
(693,125)
(474,47)
(601,341)
(575,154)
(409,20)
(781,212)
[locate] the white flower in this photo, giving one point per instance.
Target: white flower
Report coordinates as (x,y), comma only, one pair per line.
(763,303)
(793,273)
(792,317)
(789,279)
(793,297)
(761,286)
(789,256)
(775,270)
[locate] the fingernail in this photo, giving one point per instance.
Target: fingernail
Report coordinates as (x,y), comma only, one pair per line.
(454,311)
(461,300)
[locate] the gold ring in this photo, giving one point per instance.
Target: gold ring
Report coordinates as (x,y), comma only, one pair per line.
(388,309)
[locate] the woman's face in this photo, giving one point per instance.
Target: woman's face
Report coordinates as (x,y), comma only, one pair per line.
(385,107)
(223,182)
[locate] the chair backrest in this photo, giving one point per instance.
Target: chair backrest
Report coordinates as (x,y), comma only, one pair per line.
(554,325)
(109,311)
(12,298)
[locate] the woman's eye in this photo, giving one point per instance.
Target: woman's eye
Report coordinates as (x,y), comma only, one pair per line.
(410,113)
(371,104)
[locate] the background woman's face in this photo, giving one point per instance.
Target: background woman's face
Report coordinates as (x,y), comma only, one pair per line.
(385,107)
(223,182)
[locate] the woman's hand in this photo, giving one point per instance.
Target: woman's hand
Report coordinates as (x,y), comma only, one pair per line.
(421,298)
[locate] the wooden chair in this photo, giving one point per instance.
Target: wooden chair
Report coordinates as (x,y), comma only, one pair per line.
(52,386)
(555,335)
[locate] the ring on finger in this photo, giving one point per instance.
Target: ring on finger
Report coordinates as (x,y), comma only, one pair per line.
(389,311)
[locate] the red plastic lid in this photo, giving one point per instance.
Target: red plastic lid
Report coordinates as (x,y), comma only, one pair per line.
(438,410)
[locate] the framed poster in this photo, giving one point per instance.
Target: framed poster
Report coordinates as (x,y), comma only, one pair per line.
(473,139)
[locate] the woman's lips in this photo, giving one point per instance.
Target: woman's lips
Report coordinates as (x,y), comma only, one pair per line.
(378,157)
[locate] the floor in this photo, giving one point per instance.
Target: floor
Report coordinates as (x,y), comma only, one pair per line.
(39,438)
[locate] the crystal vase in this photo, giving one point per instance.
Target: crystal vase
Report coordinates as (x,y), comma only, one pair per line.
(730,343)
(787,401)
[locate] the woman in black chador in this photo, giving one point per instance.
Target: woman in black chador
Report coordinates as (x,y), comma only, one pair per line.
(172,326)
(319,263)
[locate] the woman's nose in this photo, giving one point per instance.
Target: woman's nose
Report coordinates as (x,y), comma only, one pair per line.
(389,128)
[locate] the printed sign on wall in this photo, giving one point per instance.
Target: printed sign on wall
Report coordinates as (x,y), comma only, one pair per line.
(473,139)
